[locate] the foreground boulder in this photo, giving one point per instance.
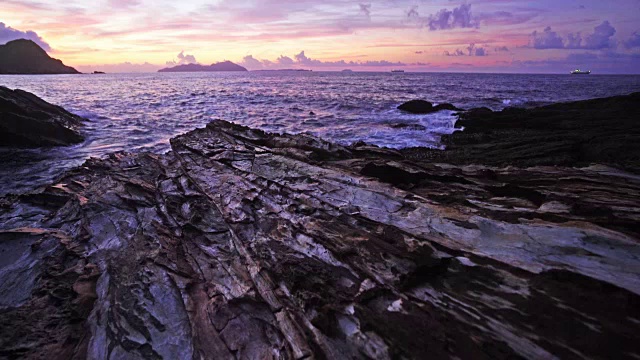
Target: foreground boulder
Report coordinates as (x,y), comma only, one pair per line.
(28,121)
(24,56)
(243,244)
(425,107)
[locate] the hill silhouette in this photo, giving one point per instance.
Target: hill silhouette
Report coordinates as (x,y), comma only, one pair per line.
(221,66)
(26,57)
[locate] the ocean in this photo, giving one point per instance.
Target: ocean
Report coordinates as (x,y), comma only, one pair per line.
(141,112)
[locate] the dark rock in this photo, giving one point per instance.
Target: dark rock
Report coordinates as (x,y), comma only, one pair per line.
(221,66)
(26,57)
(28,121)
(446,106)
(604,131)
(404,126)
(425,107)
(417,107)
(244,244)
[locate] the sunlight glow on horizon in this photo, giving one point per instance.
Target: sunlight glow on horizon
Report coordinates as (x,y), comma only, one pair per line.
(483,35)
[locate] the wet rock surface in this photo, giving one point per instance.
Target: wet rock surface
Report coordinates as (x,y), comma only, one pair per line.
(243,244)
(28,121)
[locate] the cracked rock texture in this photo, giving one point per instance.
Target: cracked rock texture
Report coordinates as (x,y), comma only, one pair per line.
(243,244)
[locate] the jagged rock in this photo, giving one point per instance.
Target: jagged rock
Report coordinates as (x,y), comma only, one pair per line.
(425,107)
(28,121)
(243,244)
(24,56)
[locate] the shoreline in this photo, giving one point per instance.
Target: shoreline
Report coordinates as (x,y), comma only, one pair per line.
(240,242)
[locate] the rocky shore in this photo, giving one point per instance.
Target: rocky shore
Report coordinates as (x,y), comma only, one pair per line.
(244,244)
(28,121)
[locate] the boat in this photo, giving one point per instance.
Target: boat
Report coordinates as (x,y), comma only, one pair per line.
(580,72)
(397,71)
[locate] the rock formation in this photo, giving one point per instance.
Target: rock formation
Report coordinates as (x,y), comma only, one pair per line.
(26,57)
(604,131)
(425,107)
(249,245)
(221,66)
(28,121)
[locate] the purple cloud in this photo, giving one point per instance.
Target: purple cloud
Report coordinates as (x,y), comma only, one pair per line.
(472,50)
(301,60)
(598,40)
(7,33)
(459,17)
(606,62)
(458,52)
(633,41)
(601,37)
(547,39)
(366,9)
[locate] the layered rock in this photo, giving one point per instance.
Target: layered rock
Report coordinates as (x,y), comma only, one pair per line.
(28,121)
(243,244)
(26,57)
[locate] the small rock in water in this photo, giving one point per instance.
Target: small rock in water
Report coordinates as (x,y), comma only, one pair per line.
(425,107)
(403,126)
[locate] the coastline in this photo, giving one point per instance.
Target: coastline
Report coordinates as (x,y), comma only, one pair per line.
(259,243)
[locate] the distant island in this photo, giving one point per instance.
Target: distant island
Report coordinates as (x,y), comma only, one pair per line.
(299,70)
(221,66)
(26,57)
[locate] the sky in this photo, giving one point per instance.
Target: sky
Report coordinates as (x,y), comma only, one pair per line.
(546,36)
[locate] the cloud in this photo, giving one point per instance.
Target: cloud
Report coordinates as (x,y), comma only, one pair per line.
(633,41)
(413,12)
(458,52)
(419,52)
(459,17)
(547,39)
(251,63)
(600,39)
(366,9)
(301,60)
(472,50)
(182,60)
(604,62)
(285,60)
(124,3)
(8,33)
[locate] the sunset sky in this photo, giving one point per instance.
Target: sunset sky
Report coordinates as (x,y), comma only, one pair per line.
(440,35)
